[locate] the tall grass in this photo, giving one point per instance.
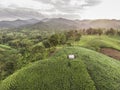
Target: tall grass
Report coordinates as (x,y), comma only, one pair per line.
(57,73)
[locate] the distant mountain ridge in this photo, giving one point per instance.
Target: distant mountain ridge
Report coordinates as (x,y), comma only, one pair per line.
(66,24)
(17,23)
(61,24)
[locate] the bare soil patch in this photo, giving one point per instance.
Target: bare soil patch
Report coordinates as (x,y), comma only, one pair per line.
(111,53)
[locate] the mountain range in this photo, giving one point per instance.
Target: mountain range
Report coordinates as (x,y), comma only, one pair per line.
(17,23)
(61,24)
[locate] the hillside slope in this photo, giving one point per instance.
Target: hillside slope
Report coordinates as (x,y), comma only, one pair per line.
(105,71)
(8,57)
(60,73)
(95,42)
(52,74)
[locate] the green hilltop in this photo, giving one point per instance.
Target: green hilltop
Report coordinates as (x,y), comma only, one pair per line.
(88,71)
(95,42)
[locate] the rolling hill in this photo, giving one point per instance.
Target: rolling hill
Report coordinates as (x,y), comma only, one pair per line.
(88,71)
(95,42)
(108,45)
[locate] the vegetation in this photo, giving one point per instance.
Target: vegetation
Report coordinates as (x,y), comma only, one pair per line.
(49,75)
(95,42)
(24,47)
(105,71)
(33,56)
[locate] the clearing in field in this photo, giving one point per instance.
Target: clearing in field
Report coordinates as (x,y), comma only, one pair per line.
(111,53)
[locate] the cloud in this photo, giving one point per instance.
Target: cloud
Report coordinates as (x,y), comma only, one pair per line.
(21,13)
(25,9)
(22,9)
(67,16)
(71,6)
(92,2)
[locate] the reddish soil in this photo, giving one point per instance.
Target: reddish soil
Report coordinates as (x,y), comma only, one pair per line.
(111,53)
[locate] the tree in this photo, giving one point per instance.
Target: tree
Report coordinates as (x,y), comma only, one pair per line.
(73,35)
(46,43)
(62,38)
(111,31)
(54,40)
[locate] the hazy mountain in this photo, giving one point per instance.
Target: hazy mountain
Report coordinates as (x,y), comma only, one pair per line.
(100,23)
(55,24)
(60,24)
(65,24)
(17,23)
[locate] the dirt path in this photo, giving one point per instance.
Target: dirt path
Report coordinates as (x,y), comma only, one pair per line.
(111,53)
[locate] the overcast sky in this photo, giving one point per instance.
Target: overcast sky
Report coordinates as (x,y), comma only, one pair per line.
(71,9)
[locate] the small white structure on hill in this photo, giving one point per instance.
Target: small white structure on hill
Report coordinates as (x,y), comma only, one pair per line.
(71,56)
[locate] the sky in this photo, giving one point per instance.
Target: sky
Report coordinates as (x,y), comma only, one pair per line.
(70,9)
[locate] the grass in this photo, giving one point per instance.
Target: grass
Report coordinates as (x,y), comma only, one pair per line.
(6,51)
(105,71)
(88,71)
(61,74)
(95,42)
(5,47)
